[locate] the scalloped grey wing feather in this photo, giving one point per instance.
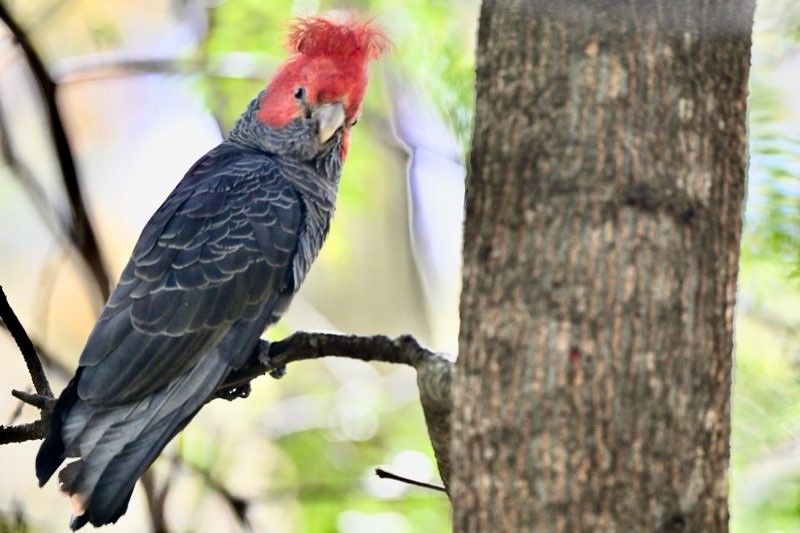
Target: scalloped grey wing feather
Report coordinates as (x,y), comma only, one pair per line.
(211,256)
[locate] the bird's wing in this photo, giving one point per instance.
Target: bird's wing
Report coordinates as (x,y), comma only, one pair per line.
(216,252)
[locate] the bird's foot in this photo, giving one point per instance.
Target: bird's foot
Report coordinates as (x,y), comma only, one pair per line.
(264,359)
(234,393)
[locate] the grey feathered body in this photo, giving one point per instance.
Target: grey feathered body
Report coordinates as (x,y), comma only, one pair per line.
(215,265)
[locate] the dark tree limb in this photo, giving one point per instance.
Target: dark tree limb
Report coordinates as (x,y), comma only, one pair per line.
(268,357)
(24,432)
(434,375)
(9,318)
(81,231)
(43,399)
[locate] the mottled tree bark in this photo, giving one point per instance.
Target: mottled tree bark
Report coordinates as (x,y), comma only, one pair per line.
(603,218)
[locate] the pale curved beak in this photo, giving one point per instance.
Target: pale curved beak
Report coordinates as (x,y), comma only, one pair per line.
(330,118)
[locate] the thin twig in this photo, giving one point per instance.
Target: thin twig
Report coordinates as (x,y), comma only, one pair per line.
(383,474)
(36,400)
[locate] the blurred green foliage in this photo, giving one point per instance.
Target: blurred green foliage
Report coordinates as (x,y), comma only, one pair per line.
(765,454)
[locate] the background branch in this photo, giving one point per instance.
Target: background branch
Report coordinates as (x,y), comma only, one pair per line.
(30,185)
(112,65)
(81,231)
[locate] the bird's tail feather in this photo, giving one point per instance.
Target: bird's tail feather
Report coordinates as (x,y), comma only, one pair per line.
(115,444)
(51,453)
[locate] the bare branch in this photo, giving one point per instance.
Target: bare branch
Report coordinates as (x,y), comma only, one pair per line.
(36,400)
(25,346)
(48,360)
(434,373)
(434,377)
(268,357)
(44,399)
(24,432)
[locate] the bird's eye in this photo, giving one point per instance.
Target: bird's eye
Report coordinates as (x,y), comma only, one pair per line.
(354,123)
(300,93)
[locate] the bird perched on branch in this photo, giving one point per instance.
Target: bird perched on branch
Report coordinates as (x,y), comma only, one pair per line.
(216,264)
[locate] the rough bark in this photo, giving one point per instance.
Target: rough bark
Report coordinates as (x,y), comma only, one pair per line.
(603,218)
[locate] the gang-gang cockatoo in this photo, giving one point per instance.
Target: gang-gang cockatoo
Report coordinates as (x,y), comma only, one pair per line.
(216,264)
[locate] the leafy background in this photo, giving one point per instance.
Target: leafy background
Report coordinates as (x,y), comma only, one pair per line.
(148,86)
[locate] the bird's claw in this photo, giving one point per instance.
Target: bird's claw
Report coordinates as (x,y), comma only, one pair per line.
(278,372)
(264,359)
(234,393)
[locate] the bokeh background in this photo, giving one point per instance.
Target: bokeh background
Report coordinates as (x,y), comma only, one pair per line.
(147,87)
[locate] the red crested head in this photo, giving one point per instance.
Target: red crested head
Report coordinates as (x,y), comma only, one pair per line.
(329,66)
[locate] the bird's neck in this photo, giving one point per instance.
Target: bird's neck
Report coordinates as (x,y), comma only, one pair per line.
(295,142)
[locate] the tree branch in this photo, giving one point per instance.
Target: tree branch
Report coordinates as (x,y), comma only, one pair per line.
(81,231)
(434,373)
(36,400)
(43,399)
(269,357)
(434,376)
(25,432)
(25,346)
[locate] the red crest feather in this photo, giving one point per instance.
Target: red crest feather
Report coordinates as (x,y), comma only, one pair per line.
(351,39)
(330,62)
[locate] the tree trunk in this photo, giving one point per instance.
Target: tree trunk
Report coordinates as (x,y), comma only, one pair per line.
(603,218)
